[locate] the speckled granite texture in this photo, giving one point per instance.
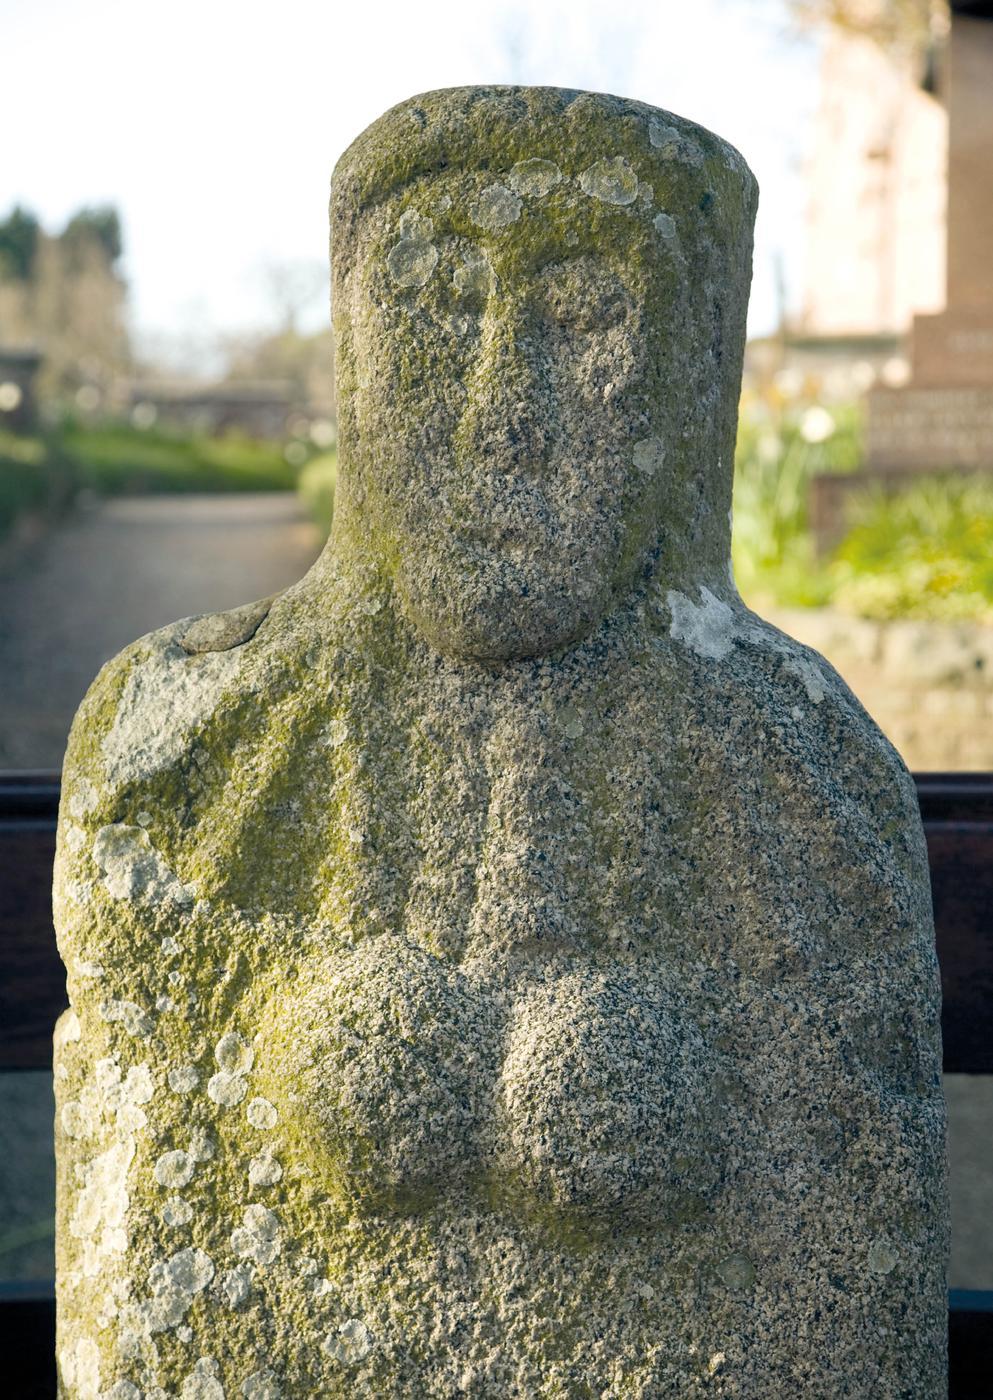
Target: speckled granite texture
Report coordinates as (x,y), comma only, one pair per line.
(501,965)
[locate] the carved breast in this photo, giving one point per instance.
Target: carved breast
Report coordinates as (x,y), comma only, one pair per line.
(584,1089)
(605,1097)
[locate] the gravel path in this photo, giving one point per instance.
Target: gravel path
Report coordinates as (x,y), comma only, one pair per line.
(115,572)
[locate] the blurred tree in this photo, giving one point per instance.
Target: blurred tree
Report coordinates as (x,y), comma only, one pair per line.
(304,362)
(19,234)
(281,350)
(912,26)
(100,225)
(293,286)
(64,295)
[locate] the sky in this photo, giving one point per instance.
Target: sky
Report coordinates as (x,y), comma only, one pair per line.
(214,125)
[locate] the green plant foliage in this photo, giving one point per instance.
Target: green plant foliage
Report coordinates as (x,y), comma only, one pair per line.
(924,552)
(114,459)
(780,448)
(317,486)
(927,552)
(36,478)
(19,233)
(40,475)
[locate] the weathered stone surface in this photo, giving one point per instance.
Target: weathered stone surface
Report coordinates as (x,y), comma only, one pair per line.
(222,631)
(510,970)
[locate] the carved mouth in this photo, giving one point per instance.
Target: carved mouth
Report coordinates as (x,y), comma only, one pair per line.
(506,515)
(502,539)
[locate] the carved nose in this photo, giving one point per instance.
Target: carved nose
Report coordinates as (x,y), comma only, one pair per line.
(508,418)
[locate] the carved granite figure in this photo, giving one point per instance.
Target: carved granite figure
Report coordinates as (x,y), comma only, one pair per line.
(501,965)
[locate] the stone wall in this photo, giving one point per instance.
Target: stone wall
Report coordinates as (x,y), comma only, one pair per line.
(928,685)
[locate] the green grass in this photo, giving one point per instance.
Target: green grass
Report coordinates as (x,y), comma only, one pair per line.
(927,552)
(115,458)
(40,474)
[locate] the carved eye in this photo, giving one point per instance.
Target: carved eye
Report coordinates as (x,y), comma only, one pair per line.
(586,308)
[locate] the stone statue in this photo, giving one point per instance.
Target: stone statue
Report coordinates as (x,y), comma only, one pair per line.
(501,965)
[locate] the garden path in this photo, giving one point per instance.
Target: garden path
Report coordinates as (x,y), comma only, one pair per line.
(115,571)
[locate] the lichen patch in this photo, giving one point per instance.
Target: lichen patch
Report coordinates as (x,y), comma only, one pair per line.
(673,144)
(177,1212)
(264,1170)
(611,180)
(183,1079)
(262,1385)
(132,1017)
(259,1237)
(707,627)
(236,1285)
(262,1114)
(495,208)
(534,178)
(166,698)
(649,455)
(351,1343)
(174,1168)
(226,1089)
(203,1382)
(809,674)
(133,869)
(475,276)
(413,258)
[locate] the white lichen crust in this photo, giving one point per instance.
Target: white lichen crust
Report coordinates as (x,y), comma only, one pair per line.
(512,973)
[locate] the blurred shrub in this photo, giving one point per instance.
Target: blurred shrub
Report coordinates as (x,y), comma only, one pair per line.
(36,478)
(781,445)
(40,476)
(117,458)
(927,552)
(316,485)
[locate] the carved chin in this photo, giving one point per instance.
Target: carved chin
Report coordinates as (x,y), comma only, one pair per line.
(501,611)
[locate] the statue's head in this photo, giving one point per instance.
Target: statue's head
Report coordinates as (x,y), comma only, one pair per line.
(539,303)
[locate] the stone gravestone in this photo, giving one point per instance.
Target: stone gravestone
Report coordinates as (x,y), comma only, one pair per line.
(502,965)
(942,421)
(944,417)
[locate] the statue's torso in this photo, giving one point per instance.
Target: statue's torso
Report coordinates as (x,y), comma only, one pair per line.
(575,974)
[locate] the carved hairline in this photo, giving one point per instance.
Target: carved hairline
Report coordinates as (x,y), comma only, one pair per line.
(474,128)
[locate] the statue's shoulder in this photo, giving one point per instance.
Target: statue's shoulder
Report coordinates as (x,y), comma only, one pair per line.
(136,733)
(779,703)
(147,703)
(850,781)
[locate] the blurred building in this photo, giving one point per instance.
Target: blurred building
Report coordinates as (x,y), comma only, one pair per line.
(263,409)
(940,420)
(875,247)
(19,369)
(876,178)
(69,300)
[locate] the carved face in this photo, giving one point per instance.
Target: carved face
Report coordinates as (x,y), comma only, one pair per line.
(501,406)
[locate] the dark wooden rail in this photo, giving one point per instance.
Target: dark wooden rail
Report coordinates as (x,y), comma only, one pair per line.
(957,810)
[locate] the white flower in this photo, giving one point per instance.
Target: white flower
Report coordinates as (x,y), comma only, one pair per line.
(816,425)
